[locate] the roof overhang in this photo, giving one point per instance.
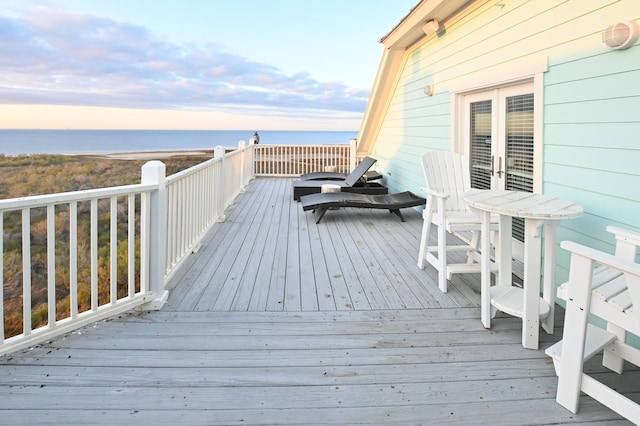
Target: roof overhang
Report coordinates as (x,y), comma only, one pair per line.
(404,35)
(409,30)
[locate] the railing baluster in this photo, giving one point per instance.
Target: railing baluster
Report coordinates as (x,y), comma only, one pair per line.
(144,242)
(26,271)
(294,160)
(73,259)
(172,237)
(201,202)
(194,214)
(186,207)
(178,225)
(94,254)
(131,245)
(286,155)
(51,264)
(213,190)
(316,159)
(220,178)
(113,252)
(274,166)
(179,221)
(284,159)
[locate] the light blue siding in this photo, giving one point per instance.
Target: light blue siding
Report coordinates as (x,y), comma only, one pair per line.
(410,129)
(591,103)
(591,128)
(594,135)
(592,141)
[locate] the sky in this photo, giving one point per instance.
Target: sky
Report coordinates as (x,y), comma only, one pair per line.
(191,64)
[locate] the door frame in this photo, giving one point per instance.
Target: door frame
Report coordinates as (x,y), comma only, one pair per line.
(498,97)
(526,72)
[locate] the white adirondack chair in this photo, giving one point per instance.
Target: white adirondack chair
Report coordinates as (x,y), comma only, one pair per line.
(447,176)
(608,286)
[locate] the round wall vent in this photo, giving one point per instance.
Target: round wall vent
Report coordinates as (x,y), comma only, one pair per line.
(620,35)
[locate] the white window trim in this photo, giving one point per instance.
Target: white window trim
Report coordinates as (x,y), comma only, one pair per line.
(529,71)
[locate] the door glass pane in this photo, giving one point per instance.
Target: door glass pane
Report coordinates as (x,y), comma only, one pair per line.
(519,150)
(519,138)
(480,157)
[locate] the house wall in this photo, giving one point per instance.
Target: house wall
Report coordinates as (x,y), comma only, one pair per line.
(590,98)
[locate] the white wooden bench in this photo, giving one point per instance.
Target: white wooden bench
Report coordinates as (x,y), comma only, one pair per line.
(607,286)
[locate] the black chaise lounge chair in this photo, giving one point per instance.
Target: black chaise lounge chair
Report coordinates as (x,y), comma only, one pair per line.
(354,182)
(366,162)
(320,203)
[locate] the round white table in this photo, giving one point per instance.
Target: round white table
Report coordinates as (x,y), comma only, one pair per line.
(536,210)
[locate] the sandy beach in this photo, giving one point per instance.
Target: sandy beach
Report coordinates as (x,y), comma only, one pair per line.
(151,155)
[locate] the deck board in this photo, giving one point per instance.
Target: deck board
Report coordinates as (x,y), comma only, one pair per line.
(278,320)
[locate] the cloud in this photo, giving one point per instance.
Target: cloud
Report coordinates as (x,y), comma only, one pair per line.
(57,57)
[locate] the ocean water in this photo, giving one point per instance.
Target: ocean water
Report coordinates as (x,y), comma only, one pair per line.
(18,142)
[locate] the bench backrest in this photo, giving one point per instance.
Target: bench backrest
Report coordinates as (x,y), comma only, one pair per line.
(448,172)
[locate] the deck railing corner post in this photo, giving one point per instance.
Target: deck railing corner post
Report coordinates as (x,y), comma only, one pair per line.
(154,173)
(253,144)
(352,153)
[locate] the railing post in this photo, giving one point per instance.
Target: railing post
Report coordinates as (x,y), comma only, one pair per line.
(154,173)
(219,153)
(352,153)
(252,152)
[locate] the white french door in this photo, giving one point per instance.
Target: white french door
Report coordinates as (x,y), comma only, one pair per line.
(499,137)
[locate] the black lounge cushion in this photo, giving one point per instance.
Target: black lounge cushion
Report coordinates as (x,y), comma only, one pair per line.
(306,187)
(320,203)
(354,182)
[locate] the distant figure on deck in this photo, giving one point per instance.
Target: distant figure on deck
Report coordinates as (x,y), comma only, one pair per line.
(255,138)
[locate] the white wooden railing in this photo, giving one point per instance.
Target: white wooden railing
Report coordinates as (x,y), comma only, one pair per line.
(121,245)
(197,198)
(294,160)
(88,255)
(68,215)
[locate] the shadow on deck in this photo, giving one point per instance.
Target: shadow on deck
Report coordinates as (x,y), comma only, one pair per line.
(277,320)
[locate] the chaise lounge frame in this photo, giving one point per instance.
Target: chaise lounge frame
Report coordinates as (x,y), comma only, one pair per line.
(322,202)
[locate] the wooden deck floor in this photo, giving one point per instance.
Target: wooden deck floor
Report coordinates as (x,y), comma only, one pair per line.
(277,320)
(271,256)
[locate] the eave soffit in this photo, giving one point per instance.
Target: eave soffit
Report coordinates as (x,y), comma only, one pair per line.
(409,30)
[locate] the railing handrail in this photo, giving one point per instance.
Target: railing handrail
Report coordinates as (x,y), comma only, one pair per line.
(191,170)
(34,201)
